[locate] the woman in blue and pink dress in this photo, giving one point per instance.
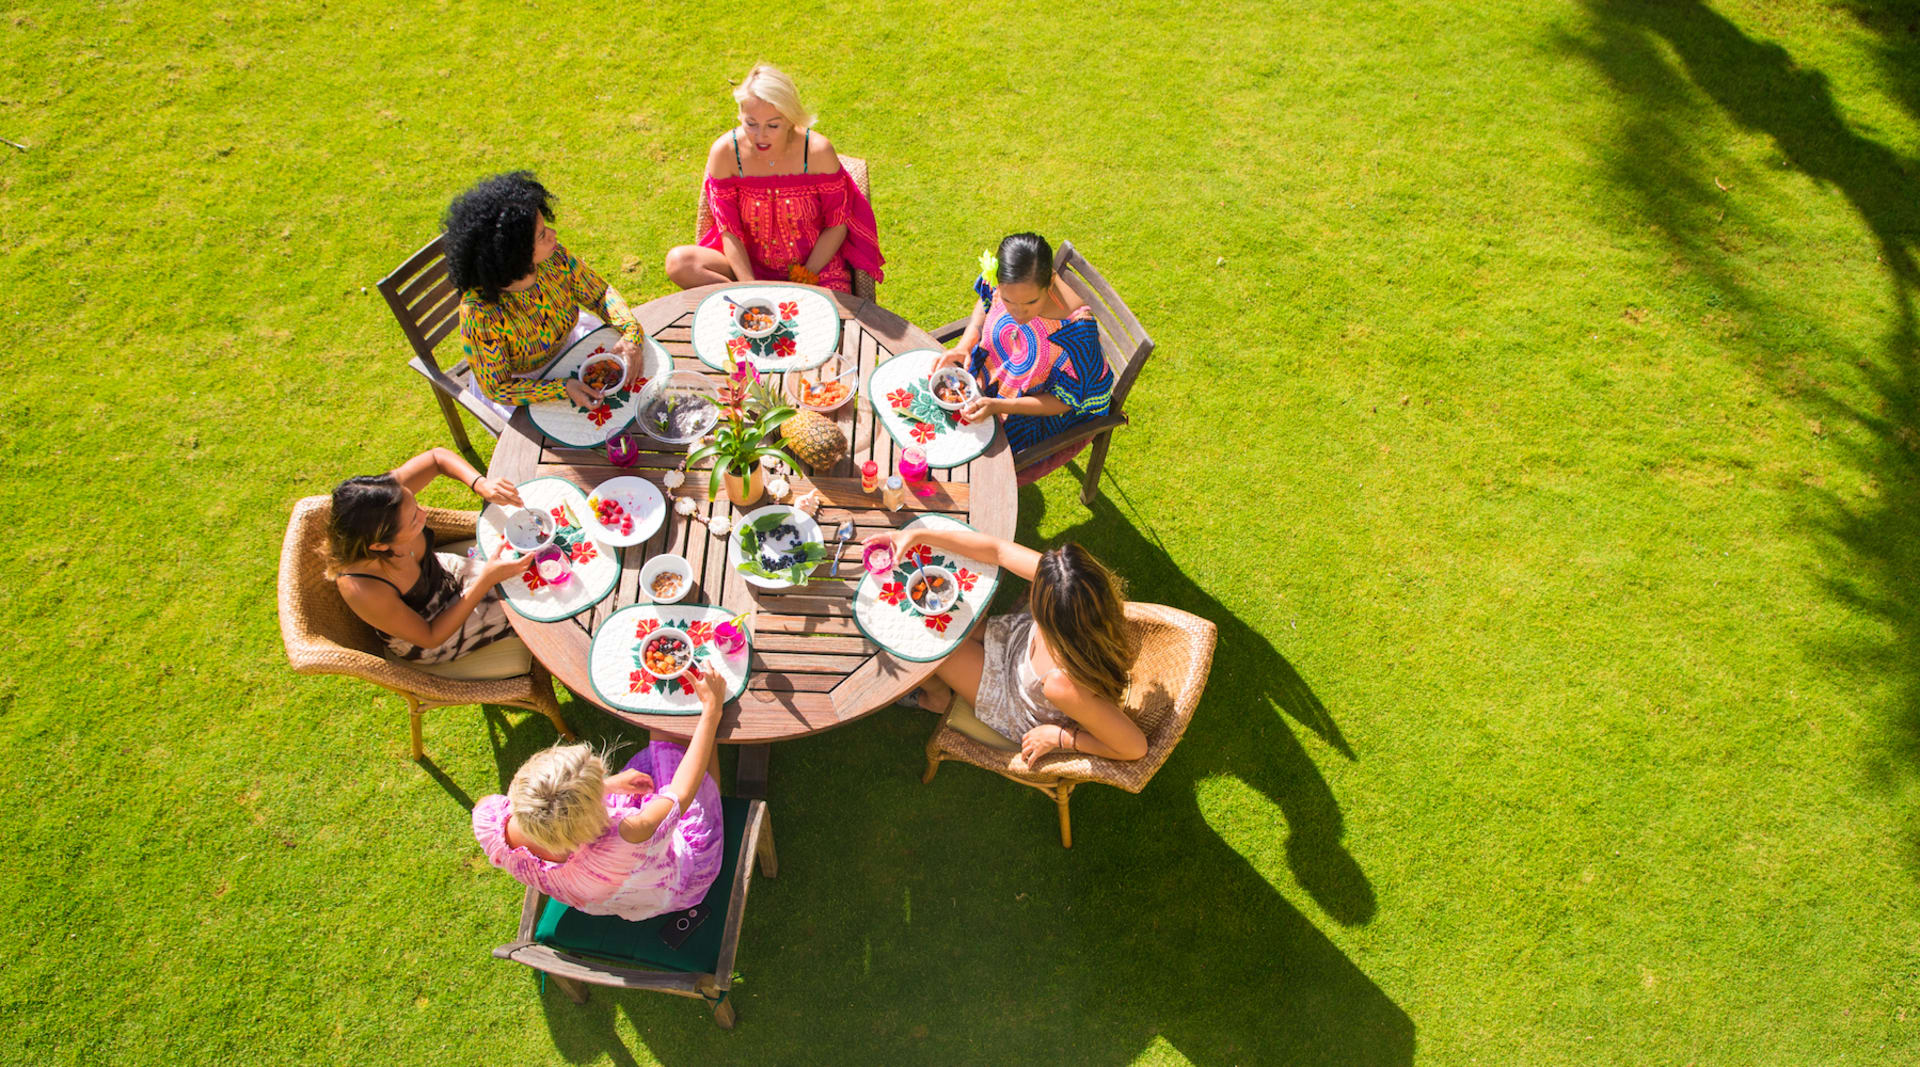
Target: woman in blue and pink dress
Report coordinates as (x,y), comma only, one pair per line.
(1035,350)
(615,844)
(783,208)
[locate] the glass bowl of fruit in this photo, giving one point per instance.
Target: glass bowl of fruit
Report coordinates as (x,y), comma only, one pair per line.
(932,590)
(953,387)
(826,387)
(755,316)
(667,652)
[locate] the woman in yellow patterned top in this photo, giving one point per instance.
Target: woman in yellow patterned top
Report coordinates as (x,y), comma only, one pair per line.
(524,298)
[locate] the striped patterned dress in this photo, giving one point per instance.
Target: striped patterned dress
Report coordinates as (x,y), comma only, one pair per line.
(1058,357)
(509,342)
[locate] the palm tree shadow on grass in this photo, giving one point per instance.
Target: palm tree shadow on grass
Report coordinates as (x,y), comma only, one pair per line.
(1872,544)
(953,928)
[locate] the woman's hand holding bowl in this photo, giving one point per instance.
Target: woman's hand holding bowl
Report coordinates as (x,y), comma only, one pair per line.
(630,352)
(582,394)
(952,357)
(980,407)
(499,567)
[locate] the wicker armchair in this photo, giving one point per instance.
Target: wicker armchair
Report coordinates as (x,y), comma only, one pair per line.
(324,636)
(1176,652)
(856,169)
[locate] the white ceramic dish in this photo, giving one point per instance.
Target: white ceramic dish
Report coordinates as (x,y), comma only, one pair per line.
(804,525)
(933,603)
(528,530)
(668,631)
(953,376)
(664,564)
(639,498)
(740,313)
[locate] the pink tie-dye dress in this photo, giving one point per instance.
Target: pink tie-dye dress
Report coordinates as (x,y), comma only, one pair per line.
(611,875)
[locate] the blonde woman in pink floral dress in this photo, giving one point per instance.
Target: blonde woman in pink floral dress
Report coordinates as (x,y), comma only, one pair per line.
(615,844)
(783,208)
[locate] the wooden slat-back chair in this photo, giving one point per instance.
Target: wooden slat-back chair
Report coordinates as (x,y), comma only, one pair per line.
(856,169)
(1124,343)
(324,636)
(573,969)
(1169,674)
(423,299)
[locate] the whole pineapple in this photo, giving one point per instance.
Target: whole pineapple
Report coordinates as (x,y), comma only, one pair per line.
(814,440)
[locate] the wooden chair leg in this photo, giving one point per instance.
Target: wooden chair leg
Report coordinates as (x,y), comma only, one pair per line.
(1091,487)
(575,991)
(452,411)
(414,711)
(933,758)
(723,1011)
(1060,794)
(549,706)
(763,851)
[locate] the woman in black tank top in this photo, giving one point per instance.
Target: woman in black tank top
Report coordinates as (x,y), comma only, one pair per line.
(429,607)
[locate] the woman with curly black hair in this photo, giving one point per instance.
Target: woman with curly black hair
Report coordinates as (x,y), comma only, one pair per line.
(524,298)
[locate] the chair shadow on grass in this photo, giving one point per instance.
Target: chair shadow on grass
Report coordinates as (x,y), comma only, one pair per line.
(953,928)
(1662,57)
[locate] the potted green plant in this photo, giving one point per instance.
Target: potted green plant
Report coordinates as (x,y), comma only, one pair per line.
(749,412)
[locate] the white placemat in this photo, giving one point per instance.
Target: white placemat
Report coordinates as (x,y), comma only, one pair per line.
(576,427)
(596,565)
(884,613)
(621,681)
(807,333)
(898,391)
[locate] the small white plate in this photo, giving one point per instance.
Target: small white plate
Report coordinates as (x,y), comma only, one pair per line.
(809,531)
(641,499)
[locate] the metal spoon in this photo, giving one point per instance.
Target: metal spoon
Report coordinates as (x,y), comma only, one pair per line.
(844,533)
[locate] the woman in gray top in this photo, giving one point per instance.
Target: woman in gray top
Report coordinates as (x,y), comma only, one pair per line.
(1052,678)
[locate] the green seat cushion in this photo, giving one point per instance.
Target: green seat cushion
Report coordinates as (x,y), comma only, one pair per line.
(620,940)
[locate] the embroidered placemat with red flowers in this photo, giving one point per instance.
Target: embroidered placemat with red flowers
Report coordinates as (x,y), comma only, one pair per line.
(899,393)
(806,329)
(594,566)
(884,613)
(569,424)
(621,679)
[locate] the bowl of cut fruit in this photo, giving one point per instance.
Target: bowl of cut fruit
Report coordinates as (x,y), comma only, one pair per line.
(667,652)
(604,372)
(953,387)
(932,590)
(754,316)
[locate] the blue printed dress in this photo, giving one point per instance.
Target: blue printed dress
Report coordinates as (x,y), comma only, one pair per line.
(1058,357)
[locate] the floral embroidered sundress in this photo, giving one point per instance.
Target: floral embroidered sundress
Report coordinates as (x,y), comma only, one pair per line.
(780,217)
(510,341)
(610,875)
(1060,357)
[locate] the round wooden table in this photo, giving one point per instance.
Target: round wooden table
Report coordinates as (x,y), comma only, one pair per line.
(812,669)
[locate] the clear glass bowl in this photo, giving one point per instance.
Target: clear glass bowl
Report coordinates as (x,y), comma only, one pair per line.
(678,408)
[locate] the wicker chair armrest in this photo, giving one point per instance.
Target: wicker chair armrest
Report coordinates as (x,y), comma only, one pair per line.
(451,525)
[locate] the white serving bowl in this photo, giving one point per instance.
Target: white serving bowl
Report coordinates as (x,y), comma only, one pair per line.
(668,631)
(932,603)
(666,563)
(740,313)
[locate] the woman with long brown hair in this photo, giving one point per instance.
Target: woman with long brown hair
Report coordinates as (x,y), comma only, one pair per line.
(1049,678)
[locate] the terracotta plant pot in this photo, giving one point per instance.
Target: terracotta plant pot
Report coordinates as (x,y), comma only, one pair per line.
(743,492)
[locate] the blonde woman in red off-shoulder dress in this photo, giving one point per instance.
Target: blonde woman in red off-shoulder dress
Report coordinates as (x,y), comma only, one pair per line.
(783,209)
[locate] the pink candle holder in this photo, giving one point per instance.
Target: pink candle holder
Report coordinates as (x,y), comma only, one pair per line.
(623,450)
(553,566)
(913,471)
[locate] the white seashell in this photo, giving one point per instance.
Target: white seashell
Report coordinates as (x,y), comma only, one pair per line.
(777,488)
(673,480)
(719,524)
(683,506)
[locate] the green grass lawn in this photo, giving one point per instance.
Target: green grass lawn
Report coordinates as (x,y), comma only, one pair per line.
(1534,411)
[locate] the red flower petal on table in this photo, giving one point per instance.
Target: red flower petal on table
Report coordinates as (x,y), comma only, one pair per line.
(636,388)
(700,632)
(965,578)
(600,349)
(531,576)
(891,592)
(560,517)
(789,309)
(900,399)
(582,551)
(938,623)
(646,627)
(783,346)
(738,346)
(923,432)
(921,553)
(599,416)
(638,681)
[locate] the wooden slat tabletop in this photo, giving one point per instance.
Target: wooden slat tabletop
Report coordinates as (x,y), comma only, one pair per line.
(812,668)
